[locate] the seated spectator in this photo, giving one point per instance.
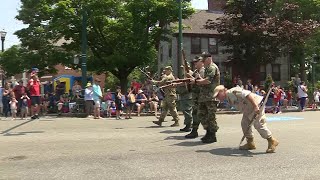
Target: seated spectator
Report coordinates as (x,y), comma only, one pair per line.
(154,101)
(140,101)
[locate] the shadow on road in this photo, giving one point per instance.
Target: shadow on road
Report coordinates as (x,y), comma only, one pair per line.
(22,133)
(175,138)
(230,152)
(189,143)
(172,131)
(14,127)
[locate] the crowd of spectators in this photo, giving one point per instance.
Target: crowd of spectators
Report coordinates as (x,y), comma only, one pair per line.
(281,98)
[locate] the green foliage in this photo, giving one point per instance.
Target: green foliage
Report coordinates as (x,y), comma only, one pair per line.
(258,32)
(268,81)
(111,82)
(122,34)
(228,80)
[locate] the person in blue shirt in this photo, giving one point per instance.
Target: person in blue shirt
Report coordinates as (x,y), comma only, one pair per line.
(97,96)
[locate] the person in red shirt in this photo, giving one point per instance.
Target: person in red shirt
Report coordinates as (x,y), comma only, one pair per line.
(289,98)
(34,88)
(19,90)
(277,97)
(135,86)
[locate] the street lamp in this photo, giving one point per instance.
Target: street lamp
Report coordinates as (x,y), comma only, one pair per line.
(84,47)
(3,37)
(180,43)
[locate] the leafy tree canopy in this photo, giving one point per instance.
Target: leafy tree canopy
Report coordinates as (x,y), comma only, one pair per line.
(122,34)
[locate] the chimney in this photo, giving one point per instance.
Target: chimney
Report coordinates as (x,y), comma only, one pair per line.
(216,5)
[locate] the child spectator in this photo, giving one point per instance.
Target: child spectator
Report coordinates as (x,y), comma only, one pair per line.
(130,100)
(289,98)
(112,109)
(118,103)
(153,101)
(13,106)
(316,95)
(140,101)
(24,106)
(276,98)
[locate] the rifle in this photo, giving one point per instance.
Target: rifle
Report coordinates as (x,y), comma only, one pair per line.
(186,69)
(187,80)
(261,108)
(146,74)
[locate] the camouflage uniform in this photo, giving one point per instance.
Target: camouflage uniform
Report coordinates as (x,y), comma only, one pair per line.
(195,97)
(169,101)
(207,104)
(186,103)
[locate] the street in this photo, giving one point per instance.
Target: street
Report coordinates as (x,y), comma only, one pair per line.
(75,148)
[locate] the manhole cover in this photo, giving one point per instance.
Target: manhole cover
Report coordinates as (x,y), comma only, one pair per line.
(15,158)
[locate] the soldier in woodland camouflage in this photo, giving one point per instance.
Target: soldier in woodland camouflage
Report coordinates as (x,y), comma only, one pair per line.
(207,104)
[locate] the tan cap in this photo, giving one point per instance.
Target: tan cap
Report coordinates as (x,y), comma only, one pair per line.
(168,68)
(217,90)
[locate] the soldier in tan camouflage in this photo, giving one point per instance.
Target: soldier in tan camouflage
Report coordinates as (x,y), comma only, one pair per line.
(248,103)
(169,101)
(207,104)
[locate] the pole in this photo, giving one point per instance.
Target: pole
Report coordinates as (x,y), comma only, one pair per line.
(180,43)
(2,73)
(2,43)
(84,48)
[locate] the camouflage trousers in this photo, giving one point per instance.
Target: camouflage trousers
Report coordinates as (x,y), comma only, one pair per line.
(196,121)
(207,115)
(169,104)
(186,108)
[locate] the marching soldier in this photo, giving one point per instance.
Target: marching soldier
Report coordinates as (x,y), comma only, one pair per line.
(197,74)
(207,104)
(169,101)
(247,103)
(185,101)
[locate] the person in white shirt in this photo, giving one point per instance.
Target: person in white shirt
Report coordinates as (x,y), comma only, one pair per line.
(316,98)
(302,95)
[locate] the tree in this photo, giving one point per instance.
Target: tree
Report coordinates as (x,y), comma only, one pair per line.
(258,32)
(122,34)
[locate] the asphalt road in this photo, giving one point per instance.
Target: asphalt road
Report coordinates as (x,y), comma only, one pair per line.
(70,148)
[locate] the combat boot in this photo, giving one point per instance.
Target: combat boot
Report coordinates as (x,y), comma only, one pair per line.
(249,146)
(157,123)
(205,136)
(193,134)
(272,144)
(187,128)
(211,138)
(175,124)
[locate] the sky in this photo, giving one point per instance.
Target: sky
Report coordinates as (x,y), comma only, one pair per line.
(9,9)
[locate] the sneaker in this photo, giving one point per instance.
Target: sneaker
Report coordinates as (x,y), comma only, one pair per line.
(33,117)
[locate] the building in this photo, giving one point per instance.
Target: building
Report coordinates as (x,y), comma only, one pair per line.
(197,39)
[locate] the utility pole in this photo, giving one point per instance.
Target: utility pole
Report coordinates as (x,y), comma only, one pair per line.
(84,47)
(180,43)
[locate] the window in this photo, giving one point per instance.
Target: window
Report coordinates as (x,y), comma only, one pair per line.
(195,45)
(263,73)
(276,72)
(213,46)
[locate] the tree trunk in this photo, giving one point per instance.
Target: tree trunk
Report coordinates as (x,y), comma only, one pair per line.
(303,69)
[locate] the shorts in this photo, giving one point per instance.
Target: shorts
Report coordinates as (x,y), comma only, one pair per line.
(35,100)
(13,111)
(24,110)
(97,104)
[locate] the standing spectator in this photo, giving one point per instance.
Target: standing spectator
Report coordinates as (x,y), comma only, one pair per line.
(289,98)
(48,88)
(130,100)
(34,88)
(140,101)
(107,98)
(249,86)
(1,104)
(13,106)
(316,95)
(97,96)
(88,97)
(240,84)
(6,99)
(135,86)
(60,89)
(302,95)
(19,90)
(76,88)
(118,103)
(153,101)
(24,106)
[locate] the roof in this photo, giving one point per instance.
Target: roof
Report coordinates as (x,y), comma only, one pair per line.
(195,24)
